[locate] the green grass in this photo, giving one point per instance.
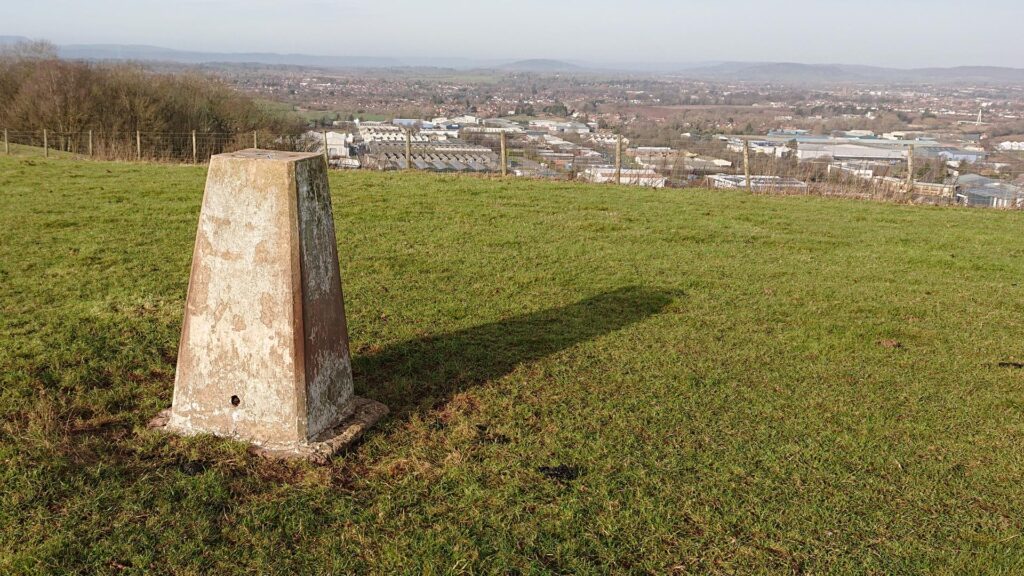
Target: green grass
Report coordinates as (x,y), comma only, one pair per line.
(34,151)
(342,115)
(286,108)
(745,384)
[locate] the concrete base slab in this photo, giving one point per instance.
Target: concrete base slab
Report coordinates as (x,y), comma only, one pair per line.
(365,413)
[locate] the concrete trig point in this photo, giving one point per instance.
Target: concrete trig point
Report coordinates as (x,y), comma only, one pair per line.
(264,352)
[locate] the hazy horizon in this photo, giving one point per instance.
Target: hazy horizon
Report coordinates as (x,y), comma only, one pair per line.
(905,34)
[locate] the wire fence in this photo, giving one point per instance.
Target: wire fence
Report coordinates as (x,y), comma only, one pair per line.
(179,147)
(599,158)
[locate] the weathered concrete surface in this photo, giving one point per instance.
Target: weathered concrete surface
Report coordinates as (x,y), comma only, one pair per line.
(264,352)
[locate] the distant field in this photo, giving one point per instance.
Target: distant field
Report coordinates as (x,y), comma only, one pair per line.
(275,106)
(318,114)
(731,384)
(285,108)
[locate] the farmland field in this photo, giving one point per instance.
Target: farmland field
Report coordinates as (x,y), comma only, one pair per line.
(582,379)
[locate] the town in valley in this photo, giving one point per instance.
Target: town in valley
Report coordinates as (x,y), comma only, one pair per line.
(691,128)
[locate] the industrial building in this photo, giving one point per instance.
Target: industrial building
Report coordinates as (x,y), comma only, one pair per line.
(634,177)
(976,190)
(757,183)
(381,132)
(439,156)
(844,151)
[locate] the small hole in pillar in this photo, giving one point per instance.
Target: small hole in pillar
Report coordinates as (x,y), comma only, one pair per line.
(235,401)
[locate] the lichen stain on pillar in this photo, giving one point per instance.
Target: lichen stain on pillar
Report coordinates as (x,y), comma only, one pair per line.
(326,353)
(264,353)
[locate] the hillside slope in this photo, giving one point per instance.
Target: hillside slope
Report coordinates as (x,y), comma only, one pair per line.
(583,379)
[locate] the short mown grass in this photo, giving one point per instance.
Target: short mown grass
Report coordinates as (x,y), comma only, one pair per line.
(582,379)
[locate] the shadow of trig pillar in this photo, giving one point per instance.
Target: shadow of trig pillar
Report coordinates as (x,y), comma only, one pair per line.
(264,352)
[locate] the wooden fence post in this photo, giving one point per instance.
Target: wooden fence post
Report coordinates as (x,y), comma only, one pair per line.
(327,152)
(504,154)
(254,143)
(7,144)
(138,145)
(90,143)
(46,144)
(910,169)
(618,159)
(194,152)
(746,164)
(408,150)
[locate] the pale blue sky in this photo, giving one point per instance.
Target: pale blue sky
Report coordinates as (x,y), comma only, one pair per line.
(899,33)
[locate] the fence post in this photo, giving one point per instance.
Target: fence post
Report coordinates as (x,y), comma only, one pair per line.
(7,144)
(327,152)
(408,150)
(910,169)
(46,144)
(138,145)
(504,154)
(746,164)
(90,143)
(254,143)
(194,147)
(618,159)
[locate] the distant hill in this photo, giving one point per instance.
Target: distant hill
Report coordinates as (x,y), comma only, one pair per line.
(795,73)
(972,74)
(144,53)
(780,72)
(156,53)
(4,40)
(541,65)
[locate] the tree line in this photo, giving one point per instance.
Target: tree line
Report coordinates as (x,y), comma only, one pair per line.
(40,91)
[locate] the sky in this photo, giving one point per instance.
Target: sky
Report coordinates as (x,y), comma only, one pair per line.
(896,33)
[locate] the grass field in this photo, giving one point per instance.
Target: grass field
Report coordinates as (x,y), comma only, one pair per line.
(583,379)
(35,151)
